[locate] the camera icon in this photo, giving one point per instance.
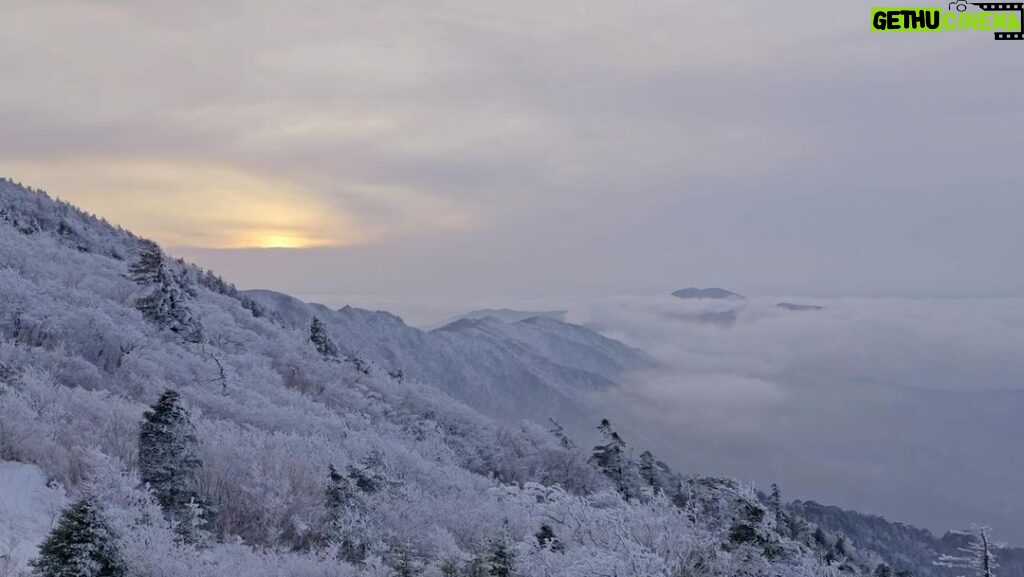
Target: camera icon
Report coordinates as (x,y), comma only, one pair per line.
(961,5)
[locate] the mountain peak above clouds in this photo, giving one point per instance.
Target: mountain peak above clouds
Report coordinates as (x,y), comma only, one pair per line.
(712,293)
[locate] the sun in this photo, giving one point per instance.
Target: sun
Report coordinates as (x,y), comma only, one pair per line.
(282,241)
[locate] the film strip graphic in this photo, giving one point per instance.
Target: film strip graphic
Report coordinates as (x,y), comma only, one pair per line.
(1004,7)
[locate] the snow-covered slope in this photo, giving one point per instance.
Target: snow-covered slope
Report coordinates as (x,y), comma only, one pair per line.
(504,315)
(537,367)
(28,509)
(82,356)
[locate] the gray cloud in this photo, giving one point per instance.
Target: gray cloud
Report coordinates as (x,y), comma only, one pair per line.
(907,408)
(551,149)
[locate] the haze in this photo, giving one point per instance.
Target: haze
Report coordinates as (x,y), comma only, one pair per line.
(528,149)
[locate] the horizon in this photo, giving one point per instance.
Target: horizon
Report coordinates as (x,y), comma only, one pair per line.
(620,149)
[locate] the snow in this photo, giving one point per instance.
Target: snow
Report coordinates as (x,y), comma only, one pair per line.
(28,510)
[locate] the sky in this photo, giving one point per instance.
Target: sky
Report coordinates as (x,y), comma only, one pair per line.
(481,150)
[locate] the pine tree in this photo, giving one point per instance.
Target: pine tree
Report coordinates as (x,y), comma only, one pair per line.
(367,476)
(82,545)
(775,504)
(610,458)
(977,556)
(320,339)
(406,565)
(169,462)
(501,559)
(346,521)
(649,473)
(546,538)
(166,304)
(559,432)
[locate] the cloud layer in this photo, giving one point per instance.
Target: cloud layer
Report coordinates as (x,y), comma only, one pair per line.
(907,408)
(584,147)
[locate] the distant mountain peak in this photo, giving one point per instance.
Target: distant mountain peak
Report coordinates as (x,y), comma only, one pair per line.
(712,293)
(799,307)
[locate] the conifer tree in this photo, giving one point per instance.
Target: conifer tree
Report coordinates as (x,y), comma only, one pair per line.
(346,521)
(559,432)
(649,473)
(82,545)
(610,458)
(501,559)
(166,303)
(169,463)
(320,339)
(546,538)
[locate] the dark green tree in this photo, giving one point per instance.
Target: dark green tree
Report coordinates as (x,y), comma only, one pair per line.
(320,339)
(169,463)
(610,458)
(82,545)
(346,521)
(546,538)
(168,293)
(649,472)
(500,559)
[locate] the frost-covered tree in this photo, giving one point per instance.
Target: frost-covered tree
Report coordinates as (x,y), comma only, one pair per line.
(611,459)
(978,556)
(559,433)
(501,558)
(320,339)
(169,463)
(368,475)
(346,522)
(650,473)
(168,292)
(81,545)
(546,538)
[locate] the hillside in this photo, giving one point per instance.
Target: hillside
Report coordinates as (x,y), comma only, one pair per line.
(306,462)
(532,368)
(903,546)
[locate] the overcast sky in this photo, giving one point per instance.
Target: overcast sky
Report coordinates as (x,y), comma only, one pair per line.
(522,149)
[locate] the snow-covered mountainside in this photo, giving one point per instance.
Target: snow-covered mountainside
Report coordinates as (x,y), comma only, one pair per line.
(537,367)
(904,546)
(505,315)
(197,433)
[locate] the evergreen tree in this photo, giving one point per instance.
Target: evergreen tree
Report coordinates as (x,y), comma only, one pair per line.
(681,495)
(166,304)
(320,339)
(883,570)
(346,521)
(546,538)
(649,473)
(169,463)
(367,476)
(82,545)
(775,505)
(610,458)
(406,565)
(559,432)
(501,559)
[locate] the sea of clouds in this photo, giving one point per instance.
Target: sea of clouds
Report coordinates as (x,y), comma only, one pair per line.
(902,407)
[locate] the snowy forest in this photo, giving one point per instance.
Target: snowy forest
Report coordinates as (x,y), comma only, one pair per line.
(157,422)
